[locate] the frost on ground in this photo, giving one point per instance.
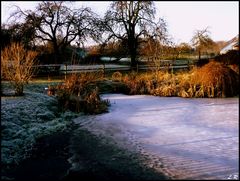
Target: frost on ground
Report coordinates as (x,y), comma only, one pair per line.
(26,118)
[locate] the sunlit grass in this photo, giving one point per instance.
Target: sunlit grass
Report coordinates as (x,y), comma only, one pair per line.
(212,80)
(79,93)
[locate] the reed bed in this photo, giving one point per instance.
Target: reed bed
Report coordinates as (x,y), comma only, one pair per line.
(79,93)
(212,80)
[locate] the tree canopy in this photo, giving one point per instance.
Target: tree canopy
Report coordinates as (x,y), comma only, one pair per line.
(201,40)
(133,21)
(127,24)
(55,22)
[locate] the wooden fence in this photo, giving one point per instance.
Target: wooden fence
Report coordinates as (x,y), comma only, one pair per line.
(63,69)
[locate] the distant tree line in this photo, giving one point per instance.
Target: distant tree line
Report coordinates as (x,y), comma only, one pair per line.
(128,29)
(56,33)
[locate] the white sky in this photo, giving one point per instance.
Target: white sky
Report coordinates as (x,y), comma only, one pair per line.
(182,17)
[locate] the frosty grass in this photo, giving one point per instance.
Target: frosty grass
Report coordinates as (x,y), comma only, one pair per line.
(24,119)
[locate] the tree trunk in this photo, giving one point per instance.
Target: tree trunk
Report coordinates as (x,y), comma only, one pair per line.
(56,52)
(133,61)
(199,54)
(133,54)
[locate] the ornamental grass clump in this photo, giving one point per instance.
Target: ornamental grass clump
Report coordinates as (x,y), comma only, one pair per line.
(93,104)
(164,84)
(183,86)
(135,83)
(215,80)
(79,93)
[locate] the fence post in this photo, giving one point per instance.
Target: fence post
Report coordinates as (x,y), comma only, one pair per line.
(103,69)
(65,71)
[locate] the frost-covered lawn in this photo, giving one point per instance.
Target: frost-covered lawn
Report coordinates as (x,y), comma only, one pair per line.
(24,119)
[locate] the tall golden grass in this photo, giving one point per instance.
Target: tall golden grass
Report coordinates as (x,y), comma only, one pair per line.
(216,80)
(79,93)
(117,76)
(212,80)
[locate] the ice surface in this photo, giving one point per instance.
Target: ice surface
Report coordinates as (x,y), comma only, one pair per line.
(193,138)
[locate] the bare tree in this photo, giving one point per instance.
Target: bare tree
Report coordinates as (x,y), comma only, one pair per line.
(56,23)
(201,40)
(132,21)
(17,65)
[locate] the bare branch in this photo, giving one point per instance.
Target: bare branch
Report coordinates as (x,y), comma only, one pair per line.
(17,65)
(132,21)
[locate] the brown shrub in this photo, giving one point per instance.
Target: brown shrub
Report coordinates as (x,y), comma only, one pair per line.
(17,66)
(215,80)
(93,103)
(79,93)
(136,84)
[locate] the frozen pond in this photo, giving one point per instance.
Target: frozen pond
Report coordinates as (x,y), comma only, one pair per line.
(185,138)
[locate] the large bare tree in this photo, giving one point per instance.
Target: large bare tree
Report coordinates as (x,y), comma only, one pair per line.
(60,25)
(133,21)
(201,41)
